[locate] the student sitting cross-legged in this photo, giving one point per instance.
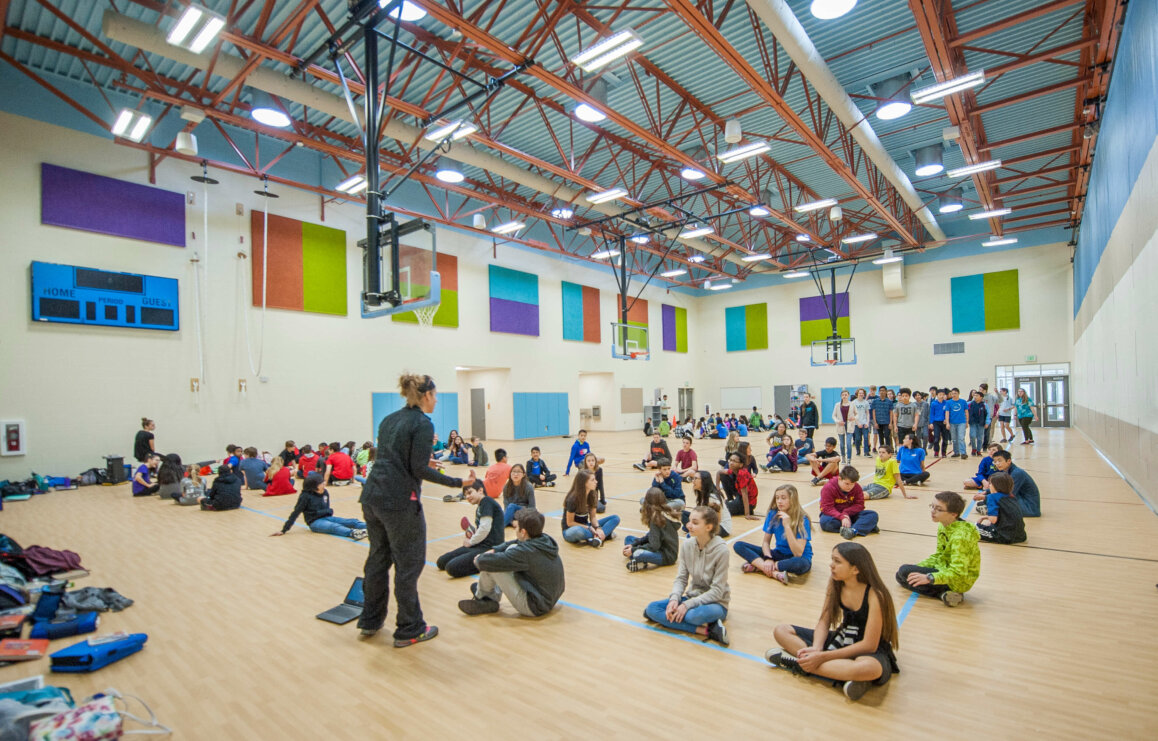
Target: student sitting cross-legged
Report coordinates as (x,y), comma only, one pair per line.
(686,460)
(225,493)
(669,483)
(518,493)
(314,504)
(911,462)
(953,569)
(527,570)
(787,523)
(1002,520)
(825,463)
(888,476)
(853,642)
(842,507)
(581,523)
(484,534)
(656,451)
(660,547)
(537,470)
(707,495)
(985,469)
(699,596)
(739,488)
(782,457)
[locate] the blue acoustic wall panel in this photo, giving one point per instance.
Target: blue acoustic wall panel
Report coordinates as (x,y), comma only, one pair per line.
(444,416)
(830,396)
(540,415)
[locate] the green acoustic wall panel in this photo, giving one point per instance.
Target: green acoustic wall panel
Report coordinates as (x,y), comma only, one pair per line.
(1002,302)
(323,269)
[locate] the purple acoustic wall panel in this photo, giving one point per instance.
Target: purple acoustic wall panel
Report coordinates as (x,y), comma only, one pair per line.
(94,203)
(514,301)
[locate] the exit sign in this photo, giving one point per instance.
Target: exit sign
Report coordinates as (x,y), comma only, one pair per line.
(1031,358)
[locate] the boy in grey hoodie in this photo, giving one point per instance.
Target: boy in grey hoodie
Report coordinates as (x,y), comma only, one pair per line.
(528,570)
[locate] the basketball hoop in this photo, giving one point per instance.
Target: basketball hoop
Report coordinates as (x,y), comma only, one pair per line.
(830,362)
(425,315)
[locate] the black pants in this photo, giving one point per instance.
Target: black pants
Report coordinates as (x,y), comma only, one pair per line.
(398,540)
(940,438)
(1025,422)
(930,590)
(541,480)
(901,432)
(809,431)
(149,492)
(885,433)
(460,561)
(914,478)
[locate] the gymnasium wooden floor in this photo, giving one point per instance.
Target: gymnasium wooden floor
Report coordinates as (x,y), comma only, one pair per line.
(1055,640)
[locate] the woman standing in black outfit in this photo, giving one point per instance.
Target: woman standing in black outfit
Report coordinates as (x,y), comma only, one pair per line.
(392,508)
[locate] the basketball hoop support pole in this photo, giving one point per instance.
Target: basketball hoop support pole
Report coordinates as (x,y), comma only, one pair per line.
(623,288)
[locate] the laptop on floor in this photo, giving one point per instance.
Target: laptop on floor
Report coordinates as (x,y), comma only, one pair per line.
(350,609)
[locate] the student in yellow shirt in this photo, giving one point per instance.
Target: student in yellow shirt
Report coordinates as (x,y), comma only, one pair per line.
(887,478)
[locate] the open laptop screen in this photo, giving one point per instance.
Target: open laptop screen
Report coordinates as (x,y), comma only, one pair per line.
(354,596)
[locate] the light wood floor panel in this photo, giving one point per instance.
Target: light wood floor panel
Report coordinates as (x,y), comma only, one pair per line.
(1054,640)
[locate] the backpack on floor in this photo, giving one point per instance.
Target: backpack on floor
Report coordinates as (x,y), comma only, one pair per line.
(92,477)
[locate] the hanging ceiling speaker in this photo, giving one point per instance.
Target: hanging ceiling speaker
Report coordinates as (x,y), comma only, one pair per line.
(186,143)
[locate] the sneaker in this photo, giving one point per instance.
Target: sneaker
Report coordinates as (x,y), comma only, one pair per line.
(484,606)
(638,466)
(981,509)
(855,690)
(773,469)
(365,633)
(601,507)
(780,658)
(453,497)
(550,483)
(359,534)
(430,632)
(634,566)
(718,633)
(847,533)
(952,599)
(876,529)
(817,482)
(595,543)
(466,524)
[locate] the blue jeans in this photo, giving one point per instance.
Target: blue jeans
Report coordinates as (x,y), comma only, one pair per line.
(860,440)
(780,461)
(462,459)
(694,618)
(976,436)
(958,430)
(845,446)
(863,522)
(582,533)
(509,513)
(340,526)
(641,555)
(784,559)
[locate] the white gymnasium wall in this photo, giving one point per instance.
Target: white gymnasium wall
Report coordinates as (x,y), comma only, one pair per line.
(894,337)
(83,390)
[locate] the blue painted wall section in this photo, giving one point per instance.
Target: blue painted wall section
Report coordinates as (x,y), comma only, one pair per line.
(445,416)
(540,415)
(1129,129)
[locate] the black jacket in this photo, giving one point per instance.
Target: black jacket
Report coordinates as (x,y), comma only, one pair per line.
(405,441)
(225,492)
(536,564)
(809,415)
(311,504)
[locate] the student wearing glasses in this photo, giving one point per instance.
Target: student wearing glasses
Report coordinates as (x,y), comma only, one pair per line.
(954,567)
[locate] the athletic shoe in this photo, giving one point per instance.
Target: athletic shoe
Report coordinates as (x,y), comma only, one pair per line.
(847,533)
(466,524)
(359,534)
(484,606)
(952,599)
(601,507)
(595,543)
(453,497)
(782,659)
(367,633)
(550,483)
(981,509)
(718,633)
(634,566)
(817,482)
(1031,442)
(876,529)
(773,469)
(430,632)
(638,466)
(855,690)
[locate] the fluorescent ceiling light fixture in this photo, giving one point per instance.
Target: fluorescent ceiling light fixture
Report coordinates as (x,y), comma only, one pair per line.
(803,238)
(447,171)
(990,214)
(951,201)
(814,206)
(796,274)
(265,110)
(744,152)
(826,10)
(998,241)
(408,11)
(696,231)
(673,273)
(132,125)
(605,254)
(455,130)
(857,238)
(929,160)
(195,29)
(562,213)
(353,184)
(758,210)
(888,257)
(719,286)
(968,170)
(756,258)
(640,239)
(607,50)
(696,258)
(508,228)
(941,89)
(605,196)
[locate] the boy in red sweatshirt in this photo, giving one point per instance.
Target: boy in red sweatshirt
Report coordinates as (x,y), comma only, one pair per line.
(842,507)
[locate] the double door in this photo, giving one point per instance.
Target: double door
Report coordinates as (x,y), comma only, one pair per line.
(686,405)
(1051,399)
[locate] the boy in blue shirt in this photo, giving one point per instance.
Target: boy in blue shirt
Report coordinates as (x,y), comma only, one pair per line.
(804,445)
(537,471)
(881,410)
(939,435)
(985,469)
(579,450)
(669,483)
(957,415)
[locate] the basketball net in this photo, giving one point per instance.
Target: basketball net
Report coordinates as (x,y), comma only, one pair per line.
(830,362)
(425,315)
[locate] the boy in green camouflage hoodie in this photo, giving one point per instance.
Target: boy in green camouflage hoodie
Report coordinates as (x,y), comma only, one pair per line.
(953,569)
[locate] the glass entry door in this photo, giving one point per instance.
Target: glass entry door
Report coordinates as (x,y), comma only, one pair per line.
(1056,400)
(1032,387)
